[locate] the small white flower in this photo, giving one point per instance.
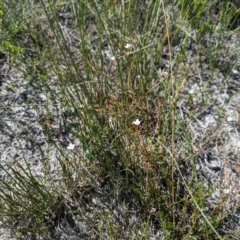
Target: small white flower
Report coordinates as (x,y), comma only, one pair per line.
(71,146)
(235,71)
(128,45)
(112,58)
(227,191)
(191,91)
(230,119)
(136,122)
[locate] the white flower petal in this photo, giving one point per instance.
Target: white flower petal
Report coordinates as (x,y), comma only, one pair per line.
(128,45)
(191,91)
(230,119)
(136,122)
(226,191)
(71,146)
(235,71)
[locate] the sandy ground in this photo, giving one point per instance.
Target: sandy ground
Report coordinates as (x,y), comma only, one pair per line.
(215,129)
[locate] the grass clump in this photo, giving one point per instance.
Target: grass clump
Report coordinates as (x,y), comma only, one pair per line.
(117,71)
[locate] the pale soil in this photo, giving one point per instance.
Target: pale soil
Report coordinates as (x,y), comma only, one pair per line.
(215,129)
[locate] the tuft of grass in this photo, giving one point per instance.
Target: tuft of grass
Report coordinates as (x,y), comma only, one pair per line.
(106,65)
